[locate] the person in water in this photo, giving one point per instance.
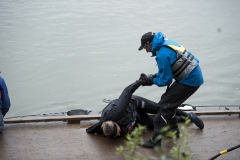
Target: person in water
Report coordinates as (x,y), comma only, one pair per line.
(120,116)
(174,63)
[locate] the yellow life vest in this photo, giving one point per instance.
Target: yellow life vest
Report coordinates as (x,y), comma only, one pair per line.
(184,63)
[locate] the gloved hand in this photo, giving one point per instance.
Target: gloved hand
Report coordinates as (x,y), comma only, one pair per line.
(146,80)
(142,76)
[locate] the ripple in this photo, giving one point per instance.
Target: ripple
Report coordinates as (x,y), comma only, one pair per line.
(61,55)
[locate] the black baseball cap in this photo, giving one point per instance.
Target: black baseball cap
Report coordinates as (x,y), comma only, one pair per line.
(146,38)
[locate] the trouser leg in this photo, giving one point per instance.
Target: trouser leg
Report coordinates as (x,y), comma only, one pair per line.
(159,122)
(181,115)
(145,106)
(173,126)
(163,118)
(175,95)
(145,120)
(180,112)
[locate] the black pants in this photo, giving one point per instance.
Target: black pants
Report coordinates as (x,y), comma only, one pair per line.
(145,106)
(174,96)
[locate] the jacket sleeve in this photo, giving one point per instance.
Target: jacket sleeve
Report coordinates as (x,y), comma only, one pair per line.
(125,97)
(164,59)
(4,99)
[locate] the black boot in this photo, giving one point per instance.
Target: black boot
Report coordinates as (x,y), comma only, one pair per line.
(149,143)
(198,122)
(159,121)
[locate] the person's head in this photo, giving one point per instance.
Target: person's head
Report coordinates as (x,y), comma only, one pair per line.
(110,129)
(146,41)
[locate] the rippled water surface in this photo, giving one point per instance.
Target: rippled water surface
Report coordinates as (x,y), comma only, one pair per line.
(61,55)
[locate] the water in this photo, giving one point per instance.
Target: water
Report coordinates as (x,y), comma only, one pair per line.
(61,55)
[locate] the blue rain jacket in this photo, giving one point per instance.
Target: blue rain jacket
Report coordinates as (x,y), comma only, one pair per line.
(4,98)
(165,57)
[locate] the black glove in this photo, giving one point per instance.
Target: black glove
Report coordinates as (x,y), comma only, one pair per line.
(146,80)
(142,76)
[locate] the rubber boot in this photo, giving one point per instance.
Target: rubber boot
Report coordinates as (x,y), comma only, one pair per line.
(150,143)
(197,121)
(153,142)
(159,123)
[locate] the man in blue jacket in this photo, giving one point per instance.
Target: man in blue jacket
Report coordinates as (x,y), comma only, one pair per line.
(4,102)
(174,62)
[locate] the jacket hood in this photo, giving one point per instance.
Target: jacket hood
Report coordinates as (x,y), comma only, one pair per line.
(157,42)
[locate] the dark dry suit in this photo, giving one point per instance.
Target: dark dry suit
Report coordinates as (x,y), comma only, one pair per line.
(122,110)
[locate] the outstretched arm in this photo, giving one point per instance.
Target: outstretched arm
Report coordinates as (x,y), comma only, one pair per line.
(126,95)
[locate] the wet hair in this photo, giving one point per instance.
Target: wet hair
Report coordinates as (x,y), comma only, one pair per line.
(109,129)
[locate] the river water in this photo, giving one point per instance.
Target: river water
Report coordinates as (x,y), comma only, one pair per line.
(61,55)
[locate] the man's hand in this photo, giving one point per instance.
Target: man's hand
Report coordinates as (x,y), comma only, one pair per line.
(142,76)
(146,80)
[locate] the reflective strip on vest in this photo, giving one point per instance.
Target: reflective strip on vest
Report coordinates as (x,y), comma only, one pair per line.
(184,63)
